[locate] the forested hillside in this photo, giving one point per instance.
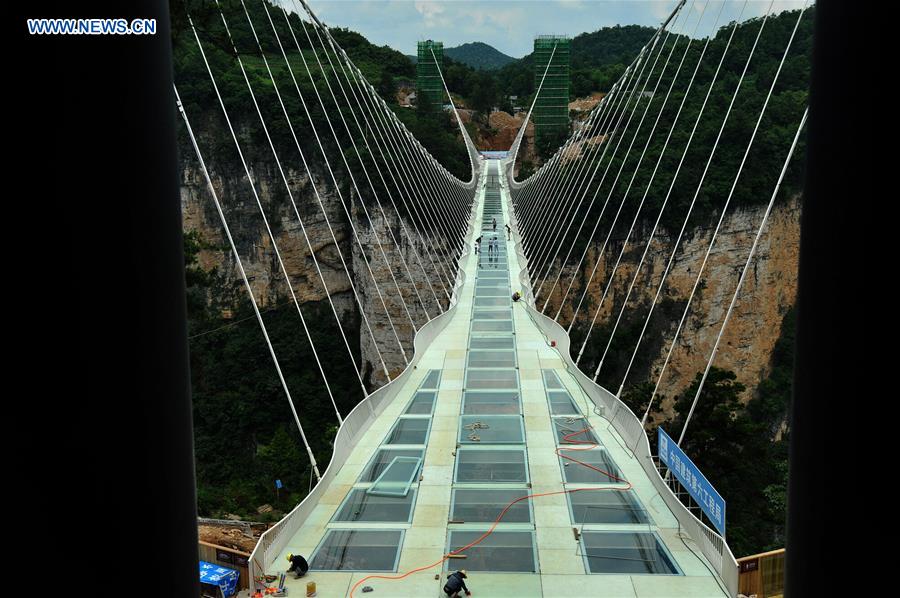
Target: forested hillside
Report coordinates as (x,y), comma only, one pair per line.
(597,61)
(479,55)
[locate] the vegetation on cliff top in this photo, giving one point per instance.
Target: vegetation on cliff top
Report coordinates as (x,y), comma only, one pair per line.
(382,66)
(479,55)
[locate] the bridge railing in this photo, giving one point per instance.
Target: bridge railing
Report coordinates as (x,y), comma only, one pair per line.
(629,428)
(273,541)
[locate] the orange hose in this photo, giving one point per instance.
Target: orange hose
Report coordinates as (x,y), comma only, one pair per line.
(480,539)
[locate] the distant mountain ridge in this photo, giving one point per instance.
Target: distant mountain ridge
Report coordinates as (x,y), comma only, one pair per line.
(479,55)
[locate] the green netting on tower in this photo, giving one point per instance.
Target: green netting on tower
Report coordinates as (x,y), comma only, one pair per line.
(429,88)
(551,111)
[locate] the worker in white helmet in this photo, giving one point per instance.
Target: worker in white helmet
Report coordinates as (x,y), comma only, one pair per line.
(455,583)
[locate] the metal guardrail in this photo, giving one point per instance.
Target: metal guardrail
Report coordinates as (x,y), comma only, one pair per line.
(629,427)
(274,540)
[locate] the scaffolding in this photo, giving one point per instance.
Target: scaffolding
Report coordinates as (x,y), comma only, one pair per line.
(551,111)
(429,87)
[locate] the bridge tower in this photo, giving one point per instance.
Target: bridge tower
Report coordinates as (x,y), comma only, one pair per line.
(429,88)
(551,111)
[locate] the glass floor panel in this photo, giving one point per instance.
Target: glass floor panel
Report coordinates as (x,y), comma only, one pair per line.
(492,314)
(360,506)
(500,551)
(491,403)
(422,403)
(383,458)
(358,550)
(484,505)
(409,430)
(397,477)
(432,380)
(492,292)
(491,379)
(606,506)
(626,553)
(491,326)
(561,403)
(491,359)
(574,430)
(492,282)
(491,429)
(492,466)
(576,473)
(492,342)
(493,302)
(551,380)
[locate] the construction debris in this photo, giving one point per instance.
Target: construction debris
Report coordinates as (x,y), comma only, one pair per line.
(241,536)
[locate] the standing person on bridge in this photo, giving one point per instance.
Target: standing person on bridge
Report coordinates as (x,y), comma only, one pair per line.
(455,583)
(478,244)
(495,224)
(508,233)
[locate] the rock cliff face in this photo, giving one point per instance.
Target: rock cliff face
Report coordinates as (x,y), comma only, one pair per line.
(390,318)
(329,245)
(768,292)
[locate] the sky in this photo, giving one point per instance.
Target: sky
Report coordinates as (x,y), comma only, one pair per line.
(511,25)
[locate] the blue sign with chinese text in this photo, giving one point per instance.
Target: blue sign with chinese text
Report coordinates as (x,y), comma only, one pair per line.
(693,481)
(225,578)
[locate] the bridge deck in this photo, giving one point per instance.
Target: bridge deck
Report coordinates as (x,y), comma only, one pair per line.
(497,371)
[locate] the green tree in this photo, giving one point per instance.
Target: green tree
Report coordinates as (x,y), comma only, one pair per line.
(283,458)
(387,89)
(484,95)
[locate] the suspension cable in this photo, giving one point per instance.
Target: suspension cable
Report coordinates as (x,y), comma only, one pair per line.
(559,192)
(262,211)
(262,325)
(578,182)
(340,253)
(288,187)
(586,181)
(672,183)
(740,283)
(362,202)
(728,199)
(637,167)
(376,131)
(637,82)
(362,132)
(612,188)
(340,195)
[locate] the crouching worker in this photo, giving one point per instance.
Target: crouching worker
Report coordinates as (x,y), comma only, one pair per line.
(299,566)
(455,583)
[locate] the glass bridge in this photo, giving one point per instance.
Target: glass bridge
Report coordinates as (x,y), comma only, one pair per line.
(490,415)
